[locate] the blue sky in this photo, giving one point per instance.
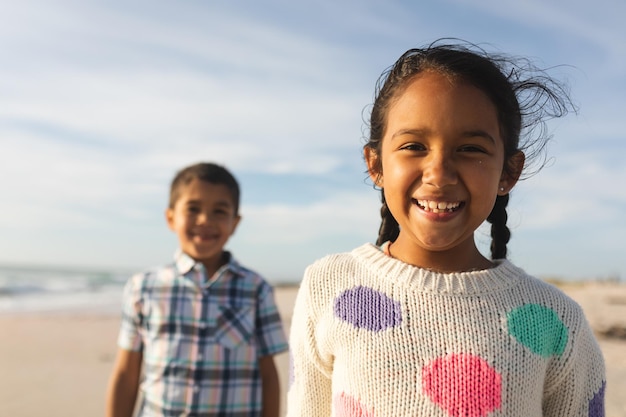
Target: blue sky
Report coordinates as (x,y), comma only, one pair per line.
(101,102)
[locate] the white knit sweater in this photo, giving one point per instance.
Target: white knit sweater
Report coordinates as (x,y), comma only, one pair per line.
(373,336)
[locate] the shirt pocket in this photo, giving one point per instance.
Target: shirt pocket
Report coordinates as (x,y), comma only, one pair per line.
(235,326)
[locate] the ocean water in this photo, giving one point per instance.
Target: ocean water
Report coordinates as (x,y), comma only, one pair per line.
(38,289)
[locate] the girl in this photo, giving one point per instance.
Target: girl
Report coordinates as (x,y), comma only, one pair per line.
(424,324)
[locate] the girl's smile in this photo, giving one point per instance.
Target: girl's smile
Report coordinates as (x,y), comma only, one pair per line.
(438,206)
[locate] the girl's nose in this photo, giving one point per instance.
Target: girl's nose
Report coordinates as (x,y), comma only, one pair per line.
(439,170)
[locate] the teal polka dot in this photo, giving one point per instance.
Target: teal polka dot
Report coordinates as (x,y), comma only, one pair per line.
(538,328)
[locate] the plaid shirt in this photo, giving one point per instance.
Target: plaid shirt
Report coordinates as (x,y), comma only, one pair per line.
(201,339)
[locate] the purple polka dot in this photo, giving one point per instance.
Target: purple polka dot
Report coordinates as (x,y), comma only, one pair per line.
(596,405)
(368,309)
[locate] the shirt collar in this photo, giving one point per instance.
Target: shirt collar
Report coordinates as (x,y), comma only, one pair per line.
(185,264)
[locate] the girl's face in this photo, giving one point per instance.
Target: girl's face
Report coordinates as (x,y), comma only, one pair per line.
(442,161)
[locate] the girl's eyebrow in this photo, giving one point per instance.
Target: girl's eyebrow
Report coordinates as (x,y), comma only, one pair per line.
(412,132)
(479,133)
(425,132)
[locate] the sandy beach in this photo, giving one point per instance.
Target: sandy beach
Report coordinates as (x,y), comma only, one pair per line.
(58,364)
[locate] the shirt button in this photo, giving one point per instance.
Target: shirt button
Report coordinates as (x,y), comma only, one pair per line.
(195,388)
(200,356)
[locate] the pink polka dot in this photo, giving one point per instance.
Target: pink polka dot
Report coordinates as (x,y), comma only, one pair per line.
(348,406)
(463,385)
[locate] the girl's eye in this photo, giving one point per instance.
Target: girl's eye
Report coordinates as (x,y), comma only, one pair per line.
(193,210)
(472,148)
(413,147)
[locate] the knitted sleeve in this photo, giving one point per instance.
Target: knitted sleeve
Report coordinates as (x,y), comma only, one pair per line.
(575,383)
(310,383)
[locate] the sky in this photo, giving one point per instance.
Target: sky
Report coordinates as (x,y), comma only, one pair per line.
(101,102)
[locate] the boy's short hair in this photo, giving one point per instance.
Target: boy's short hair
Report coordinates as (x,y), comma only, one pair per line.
(204,171)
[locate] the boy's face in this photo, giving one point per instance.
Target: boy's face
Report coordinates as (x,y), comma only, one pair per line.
(203,218)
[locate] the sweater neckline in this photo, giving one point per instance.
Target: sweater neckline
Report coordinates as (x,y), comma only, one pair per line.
(501,277)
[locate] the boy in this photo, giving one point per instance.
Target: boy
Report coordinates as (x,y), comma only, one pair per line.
(204,328)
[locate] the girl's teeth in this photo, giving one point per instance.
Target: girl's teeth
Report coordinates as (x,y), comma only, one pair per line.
(438,207)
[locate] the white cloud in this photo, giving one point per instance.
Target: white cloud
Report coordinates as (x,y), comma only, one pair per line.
(277,104)
(341,214)
(582,189)
(598,23)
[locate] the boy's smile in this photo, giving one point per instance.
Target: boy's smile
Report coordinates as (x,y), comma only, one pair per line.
(442,169)
(203,218)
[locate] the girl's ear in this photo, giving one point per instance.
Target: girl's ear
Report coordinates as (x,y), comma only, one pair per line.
(510,176)
(373,166)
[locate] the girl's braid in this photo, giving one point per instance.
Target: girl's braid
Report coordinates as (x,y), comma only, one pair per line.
(500,233)
(389,229)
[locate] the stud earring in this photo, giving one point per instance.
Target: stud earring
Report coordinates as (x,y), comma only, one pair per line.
(501,188)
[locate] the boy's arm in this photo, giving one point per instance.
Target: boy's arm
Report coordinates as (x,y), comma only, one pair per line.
(270,385)
(124,384)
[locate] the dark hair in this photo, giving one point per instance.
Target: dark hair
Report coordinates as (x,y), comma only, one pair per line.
(204,171)
(524,97)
